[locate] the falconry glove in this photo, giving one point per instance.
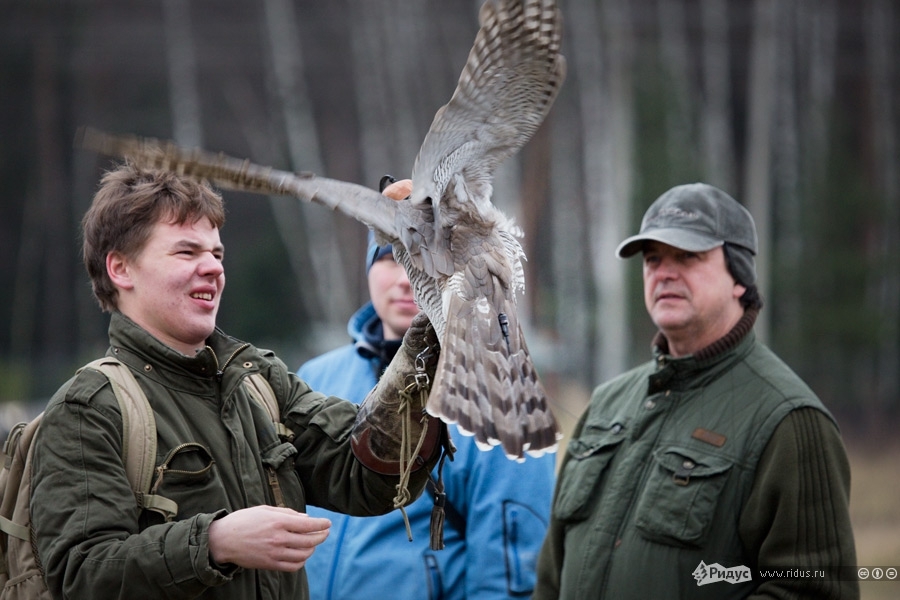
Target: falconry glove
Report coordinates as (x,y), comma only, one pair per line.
(393,435)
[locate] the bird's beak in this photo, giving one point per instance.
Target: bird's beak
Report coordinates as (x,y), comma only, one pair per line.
(399,190)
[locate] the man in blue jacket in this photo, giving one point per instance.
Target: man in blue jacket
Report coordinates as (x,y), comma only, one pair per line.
(497,509)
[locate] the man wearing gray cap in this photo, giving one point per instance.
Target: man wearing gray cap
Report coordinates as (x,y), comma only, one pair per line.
(712,471)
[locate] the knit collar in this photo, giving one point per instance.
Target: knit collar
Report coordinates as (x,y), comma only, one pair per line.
(697,369)
(705,364)
(725,343)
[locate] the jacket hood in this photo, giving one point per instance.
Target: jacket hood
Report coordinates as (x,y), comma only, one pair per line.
(366,331)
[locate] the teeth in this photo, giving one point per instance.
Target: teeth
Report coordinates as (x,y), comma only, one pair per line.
(203,296)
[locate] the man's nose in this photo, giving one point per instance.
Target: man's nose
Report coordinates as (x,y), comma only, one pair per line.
(210,265)
(667,267)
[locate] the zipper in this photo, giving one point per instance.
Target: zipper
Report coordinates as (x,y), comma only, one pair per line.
(220,371)
(162,469)
(220,374)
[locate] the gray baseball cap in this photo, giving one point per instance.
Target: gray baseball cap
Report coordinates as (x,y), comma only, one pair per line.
(696,217)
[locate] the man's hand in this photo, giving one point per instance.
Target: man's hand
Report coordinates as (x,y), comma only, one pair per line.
(266,537)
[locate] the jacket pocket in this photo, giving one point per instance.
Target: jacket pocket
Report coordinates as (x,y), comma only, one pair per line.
(284,483)
(185,466)
(523,532)
(433,577)
(588,457)
(679,500)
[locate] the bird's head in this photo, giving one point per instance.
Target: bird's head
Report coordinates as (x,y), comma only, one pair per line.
(398,190)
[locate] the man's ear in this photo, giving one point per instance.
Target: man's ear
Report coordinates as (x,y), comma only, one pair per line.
(117,270)
(738,291)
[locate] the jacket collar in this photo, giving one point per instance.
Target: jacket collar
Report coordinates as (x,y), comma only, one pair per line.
(132,344)
(367,331)
(708,361)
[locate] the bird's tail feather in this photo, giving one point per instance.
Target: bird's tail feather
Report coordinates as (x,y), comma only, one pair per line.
(491,389)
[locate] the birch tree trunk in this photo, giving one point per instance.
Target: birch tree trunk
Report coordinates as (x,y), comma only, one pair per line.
(884,288)
(675,55)
(603,73)
(788,211)
(181,63)
(386,85)
(817,35)
(571,253)
(251,117)
(330,285)
(378,139)
(716,133)
(757,175)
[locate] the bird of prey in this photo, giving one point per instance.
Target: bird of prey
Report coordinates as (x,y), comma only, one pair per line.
(462,253)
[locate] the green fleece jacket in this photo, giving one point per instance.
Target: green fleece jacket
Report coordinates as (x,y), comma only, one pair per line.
(93,539)
(685,478)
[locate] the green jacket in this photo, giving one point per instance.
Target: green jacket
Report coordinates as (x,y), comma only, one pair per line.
(722,458)
(92,538)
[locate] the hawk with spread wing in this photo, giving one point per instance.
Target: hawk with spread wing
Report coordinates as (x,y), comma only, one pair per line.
(462,254)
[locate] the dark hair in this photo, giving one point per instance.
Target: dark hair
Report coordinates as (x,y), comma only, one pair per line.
(736,261)
(752,298)
(129,202)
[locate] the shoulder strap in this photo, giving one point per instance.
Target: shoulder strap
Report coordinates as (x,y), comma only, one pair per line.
(18,450)
(262,393)
(139,428)
(138,434)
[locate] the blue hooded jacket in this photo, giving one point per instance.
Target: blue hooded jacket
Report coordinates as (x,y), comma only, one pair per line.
(495,523)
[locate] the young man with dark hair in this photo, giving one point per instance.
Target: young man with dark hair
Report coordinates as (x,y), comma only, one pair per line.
(155,258)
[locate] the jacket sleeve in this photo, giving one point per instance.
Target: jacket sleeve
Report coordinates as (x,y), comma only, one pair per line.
(85,517)
(797,515)
(550,558)
(331,475)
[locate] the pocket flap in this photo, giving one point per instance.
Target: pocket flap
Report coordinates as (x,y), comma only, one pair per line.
(589,455)
(595,438)
(274,457)
(680,497)
(687,463)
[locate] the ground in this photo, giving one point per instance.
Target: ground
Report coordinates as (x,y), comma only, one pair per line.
(875,509)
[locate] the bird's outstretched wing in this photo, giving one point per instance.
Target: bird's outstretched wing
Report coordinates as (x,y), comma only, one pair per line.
(358,202)
(453,233)
(511,78)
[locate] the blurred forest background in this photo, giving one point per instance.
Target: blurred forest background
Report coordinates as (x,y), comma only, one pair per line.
(790,105)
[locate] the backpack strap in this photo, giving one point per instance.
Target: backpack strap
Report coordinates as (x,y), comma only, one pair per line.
(18,451)
(138,435)
(262,393)
(139,430)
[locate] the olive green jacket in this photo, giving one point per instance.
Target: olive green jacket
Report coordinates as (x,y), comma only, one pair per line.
(723,459)
(94,541)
